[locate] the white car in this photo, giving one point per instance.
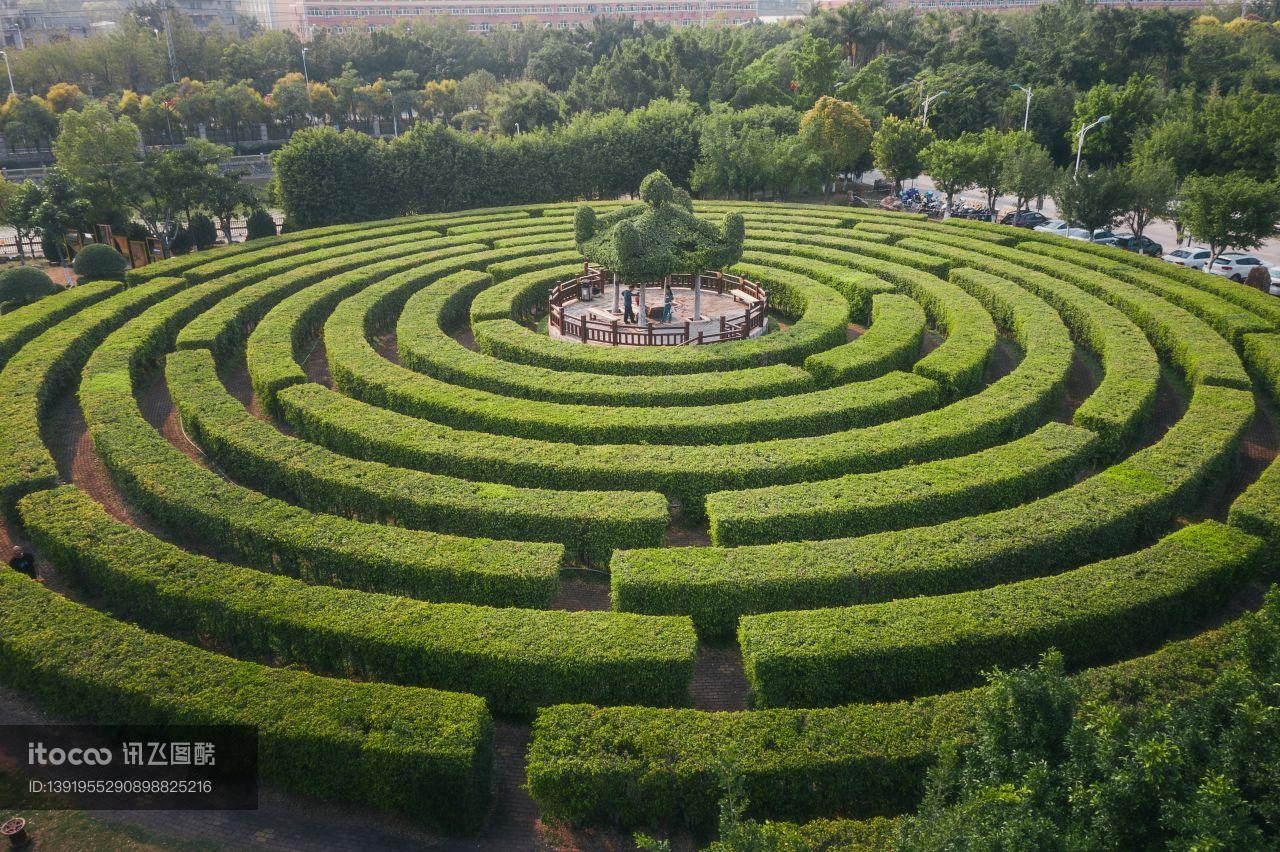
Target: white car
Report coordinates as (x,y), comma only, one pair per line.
(1275,280)
(1192,258)
(1234,265)
(1063,229)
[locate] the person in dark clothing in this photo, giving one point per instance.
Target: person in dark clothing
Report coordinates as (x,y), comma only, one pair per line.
(628,312)
(24,561)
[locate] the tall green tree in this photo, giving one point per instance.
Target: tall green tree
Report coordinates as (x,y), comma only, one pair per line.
(897,147)
(1028,171)
(1229,211)
(1152,185)
(837,134)
(1094,199)
(949,163)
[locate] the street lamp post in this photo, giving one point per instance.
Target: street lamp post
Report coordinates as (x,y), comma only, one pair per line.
(8,71)
(1026,116)
(1080,141)
(305,76)
(924,115)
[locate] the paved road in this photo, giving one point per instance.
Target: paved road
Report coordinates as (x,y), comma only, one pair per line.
(1161,231)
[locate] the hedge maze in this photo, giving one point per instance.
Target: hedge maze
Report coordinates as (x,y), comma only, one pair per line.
(348,491)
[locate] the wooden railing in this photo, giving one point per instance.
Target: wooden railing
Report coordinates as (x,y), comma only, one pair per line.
(617,333)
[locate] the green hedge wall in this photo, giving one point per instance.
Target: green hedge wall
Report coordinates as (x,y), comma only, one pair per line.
(280,341)
(1118,508)
(223,327)
(522,296)
(857,287)
(892,342)
(823,320)
(45,367)
(1121,404)
(190,500)
(420,752)
(425,344)
(639,767)
(589,524)
(1093,614)
(28,321)
(928,493)
(518,659)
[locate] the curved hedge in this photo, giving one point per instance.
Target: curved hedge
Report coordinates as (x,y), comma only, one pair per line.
(518,659)
(822,322)
(1117,508)
(183,497)
(589,524)
(337,739)
(425,344)
(1093,614)
(892,342)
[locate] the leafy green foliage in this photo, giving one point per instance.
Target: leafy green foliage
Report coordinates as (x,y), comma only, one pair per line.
(22,285)
(96,261)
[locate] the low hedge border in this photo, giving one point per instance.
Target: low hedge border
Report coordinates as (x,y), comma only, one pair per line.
(1093,614)
(548,254)
(1118,508)
(24,324)
(1179,335)
(894,230)
(1257,510)
(182,496)
(1122,402)
(929,493)
(823,321)
(891,342)
(1010,407)
(419,752)
(50,365)
(589,524)
(425,344)
(870,252)
(279,343)
(523,296)
(856,287)
(638,767)
(518,659)
(1225,317)
(224,326)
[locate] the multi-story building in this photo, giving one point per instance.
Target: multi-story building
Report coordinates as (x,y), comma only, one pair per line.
(1003,5)
(309,16)
(33,22)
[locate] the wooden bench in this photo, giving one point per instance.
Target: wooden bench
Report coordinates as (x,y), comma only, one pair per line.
(743,296)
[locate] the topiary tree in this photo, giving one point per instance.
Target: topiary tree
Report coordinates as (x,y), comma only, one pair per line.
(260,225)
(204,233)
(23,285)
(99,261)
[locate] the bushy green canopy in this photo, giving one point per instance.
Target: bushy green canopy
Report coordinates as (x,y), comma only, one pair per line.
(644,242)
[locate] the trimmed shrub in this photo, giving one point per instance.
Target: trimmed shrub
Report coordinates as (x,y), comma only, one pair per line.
(904,497)
(518,659)
(636,766)
(183,496)
(589,524)
(259,225)
(317,736)
(892,342)
(47,366)
(1098,518)
(22,285)
(23,324)
(425,344)
(98,261)
(204,233)
(920,645)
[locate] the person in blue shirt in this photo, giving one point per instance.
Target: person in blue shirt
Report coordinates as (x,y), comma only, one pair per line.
(668,299)
(628,312)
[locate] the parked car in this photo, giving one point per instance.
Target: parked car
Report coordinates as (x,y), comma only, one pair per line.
(1024,219)
(1128,242)
(1234,265)
(1063,229)
(1100,234)
(1192,258)
(1275,280)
